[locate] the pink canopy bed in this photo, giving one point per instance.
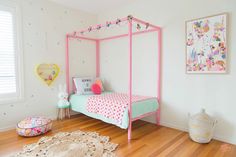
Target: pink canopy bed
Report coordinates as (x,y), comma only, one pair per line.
(130,21)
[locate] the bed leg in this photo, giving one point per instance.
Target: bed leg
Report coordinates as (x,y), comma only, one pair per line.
(130,131)
(158,116)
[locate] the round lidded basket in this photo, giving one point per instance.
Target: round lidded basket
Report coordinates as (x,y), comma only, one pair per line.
(201,127)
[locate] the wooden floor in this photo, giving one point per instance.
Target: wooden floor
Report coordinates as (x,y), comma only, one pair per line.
(148,139)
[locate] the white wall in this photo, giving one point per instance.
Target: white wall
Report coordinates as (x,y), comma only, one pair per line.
(44,25)
(181,93)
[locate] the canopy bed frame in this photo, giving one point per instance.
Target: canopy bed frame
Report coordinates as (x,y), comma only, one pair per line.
(149,28)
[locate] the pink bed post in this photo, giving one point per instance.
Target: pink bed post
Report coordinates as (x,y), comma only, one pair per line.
(158,116)
(97,58)
(67,65)
(130,80)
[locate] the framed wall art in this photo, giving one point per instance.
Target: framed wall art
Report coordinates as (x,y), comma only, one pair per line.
(47,72)
(206,44)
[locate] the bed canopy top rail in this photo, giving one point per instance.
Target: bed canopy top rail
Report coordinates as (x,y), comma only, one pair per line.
(81,34)
(112,37)
(130,20)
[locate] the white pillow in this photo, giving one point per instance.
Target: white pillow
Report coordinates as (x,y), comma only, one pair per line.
(83,85)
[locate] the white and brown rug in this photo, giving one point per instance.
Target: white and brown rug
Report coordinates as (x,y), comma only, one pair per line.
(74,144)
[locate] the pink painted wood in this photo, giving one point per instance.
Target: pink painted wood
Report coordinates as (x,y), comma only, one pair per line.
(130,35)
(158,116)
(116,36)
(97,58)
(130,79)
(102,25)
(143,22)
(81,37)
(67,65)
(125,35)
(144,115)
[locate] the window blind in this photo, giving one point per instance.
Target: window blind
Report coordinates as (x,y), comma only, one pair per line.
(7,54)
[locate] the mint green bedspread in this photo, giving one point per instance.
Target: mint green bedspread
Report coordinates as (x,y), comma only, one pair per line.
(78,104)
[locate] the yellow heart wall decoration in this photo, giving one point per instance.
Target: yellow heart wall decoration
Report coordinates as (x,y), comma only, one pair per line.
(47,72)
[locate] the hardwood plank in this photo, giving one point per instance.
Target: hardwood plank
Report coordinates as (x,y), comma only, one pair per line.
(147,139)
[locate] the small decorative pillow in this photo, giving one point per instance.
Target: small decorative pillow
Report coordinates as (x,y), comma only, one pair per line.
(83,85)
(33,126)
(96,89)
(99,82)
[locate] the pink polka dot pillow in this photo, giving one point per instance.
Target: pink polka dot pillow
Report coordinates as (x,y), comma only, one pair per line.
(33,126)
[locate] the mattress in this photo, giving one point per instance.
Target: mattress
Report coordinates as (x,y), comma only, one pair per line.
(79,102)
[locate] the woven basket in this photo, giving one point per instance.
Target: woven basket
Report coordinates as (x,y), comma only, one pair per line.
(201,127)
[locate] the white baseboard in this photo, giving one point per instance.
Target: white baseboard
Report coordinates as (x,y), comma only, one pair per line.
(224,140)
(166,124)
(13,126)
(10,127)
(173,126)
(72,113)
